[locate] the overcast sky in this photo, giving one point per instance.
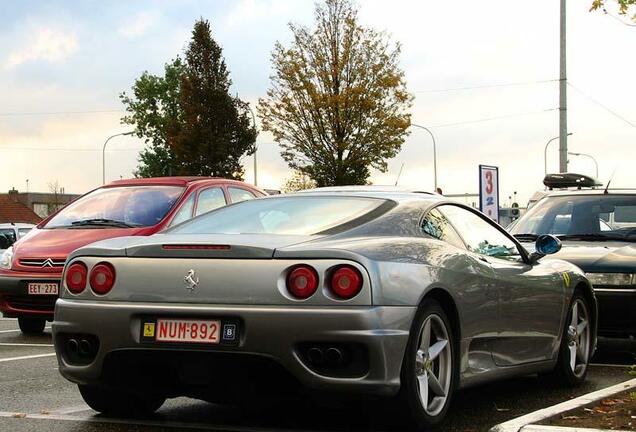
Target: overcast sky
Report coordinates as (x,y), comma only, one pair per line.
(76,57)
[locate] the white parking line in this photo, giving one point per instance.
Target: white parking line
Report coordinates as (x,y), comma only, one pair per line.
(70,410)
(26,357)
(17,330)
(93,418)
(17,344)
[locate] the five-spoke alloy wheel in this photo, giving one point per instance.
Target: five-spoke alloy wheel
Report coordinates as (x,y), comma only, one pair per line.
(429,370)
(576,342)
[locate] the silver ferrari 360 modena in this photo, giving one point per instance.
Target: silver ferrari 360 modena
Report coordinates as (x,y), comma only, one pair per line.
(358,290)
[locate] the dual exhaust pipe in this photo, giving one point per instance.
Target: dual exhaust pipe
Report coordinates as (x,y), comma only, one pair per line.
(331,356)
(82,347)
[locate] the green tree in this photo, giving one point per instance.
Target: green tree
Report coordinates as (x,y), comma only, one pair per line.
(623,7)
(298,181)
(155,112)
(217,130)
(188,119)
(338,103)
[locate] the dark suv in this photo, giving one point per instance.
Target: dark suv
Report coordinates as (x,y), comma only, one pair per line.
(598,230)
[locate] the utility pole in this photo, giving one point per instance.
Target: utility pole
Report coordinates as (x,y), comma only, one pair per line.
(563,113)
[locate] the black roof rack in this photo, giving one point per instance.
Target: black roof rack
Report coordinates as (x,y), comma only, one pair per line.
(568,180)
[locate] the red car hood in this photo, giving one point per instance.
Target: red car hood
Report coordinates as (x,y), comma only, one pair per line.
(58,243)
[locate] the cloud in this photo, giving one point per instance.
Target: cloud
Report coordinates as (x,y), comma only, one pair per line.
(138,25)
(47,44)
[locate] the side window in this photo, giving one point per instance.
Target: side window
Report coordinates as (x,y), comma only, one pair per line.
(185,212)
(437,226)
(210,199)
(238,194)
(480,236)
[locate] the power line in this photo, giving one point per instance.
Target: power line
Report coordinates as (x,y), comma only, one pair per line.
(68,149)
(45,113)
(609,110)
(492,118)
(510,84)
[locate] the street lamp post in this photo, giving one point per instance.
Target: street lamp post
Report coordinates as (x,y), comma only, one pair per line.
(434,152)
(255,165)
(545,153)
(104,153)
(587,155)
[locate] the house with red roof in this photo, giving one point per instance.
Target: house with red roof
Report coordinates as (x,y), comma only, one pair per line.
(12,210)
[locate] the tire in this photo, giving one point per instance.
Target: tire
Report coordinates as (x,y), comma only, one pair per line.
(435,373)
(31,326)
(575,340)
(120,403)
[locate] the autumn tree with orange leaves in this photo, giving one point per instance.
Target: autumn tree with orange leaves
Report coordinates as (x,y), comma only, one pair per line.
(338,104)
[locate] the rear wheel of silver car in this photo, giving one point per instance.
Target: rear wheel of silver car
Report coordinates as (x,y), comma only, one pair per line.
(576,342)
(120,403)
(31,326)
(429,368)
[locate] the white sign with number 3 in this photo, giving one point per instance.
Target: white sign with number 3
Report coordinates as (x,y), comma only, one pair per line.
(489,191)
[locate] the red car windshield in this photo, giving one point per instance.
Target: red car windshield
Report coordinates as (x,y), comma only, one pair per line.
(122,207)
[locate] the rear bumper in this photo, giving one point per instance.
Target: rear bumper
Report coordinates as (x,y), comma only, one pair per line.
(271,332)
(617,311)
(15,300)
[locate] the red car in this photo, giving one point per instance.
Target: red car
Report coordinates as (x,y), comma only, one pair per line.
(31,270)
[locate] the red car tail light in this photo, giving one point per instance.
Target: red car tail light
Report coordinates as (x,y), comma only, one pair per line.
(346,282)
(102,278)
(76,277)
(302,281)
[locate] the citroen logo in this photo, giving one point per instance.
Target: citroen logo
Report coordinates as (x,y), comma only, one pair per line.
(47,263)
(191,280)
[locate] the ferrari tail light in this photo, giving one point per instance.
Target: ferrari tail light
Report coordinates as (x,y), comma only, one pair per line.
(76,277)
(102,278)
(302,281)
(346,282)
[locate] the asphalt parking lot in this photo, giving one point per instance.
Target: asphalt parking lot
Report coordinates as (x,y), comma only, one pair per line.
(34,397)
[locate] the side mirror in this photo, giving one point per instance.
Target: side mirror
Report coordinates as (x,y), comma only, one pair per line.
(545,245)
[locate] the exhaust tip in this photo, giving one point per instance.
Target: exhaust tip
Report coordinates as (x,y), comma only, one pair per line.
(85,347)
(72,346)
(334,355)
(315,355)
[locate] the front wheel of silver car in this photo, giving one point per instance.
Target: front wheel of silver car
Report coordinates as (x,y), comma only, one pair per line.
(576,342)
(429,369)
(120,403)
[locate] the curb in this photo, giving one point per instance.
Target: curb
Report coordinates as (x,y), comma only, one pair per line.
(519,423)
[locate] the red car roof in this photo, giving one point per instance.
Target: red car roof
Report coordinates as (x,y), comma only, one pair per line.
(172,181)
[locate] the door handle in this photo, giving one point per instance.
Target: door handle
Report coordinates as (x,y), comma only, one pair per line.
(481,258)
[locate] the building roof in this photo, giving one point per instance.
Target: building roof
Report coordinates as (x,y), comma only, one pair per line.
(12,211)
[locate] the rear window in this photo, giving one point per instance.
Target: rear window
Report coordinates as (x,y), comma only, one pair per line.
(132,205)
(298,215)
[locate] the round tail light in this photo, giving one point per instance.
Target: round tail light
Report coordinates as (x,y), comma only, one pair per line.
(302,281)
(102,278)
(76,277)
(346,282)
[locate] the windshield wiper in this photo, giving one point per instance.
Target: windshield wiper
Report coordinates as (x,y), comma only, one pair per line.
(525,237)
(103,222)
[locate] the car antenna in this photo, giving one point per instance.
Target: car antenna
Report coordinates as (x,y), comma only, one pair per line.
(609,181)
